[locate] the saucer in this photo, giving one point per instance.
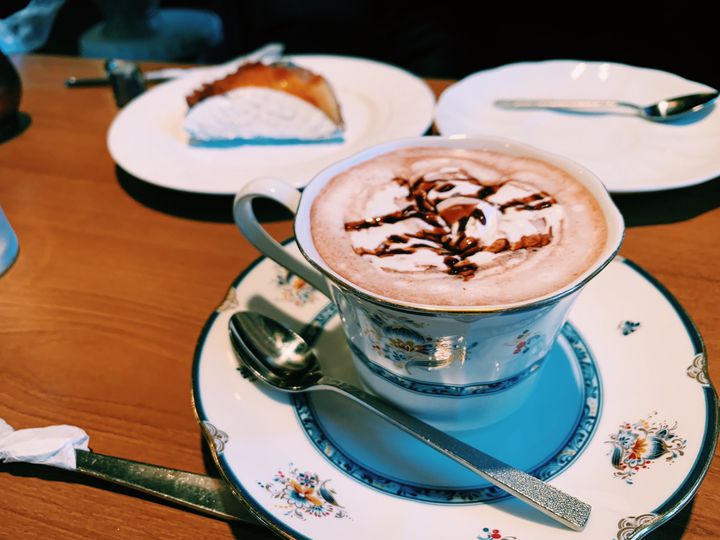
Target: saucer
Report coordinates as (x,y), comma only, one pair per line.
(378,101)
(623,417)
(629,154)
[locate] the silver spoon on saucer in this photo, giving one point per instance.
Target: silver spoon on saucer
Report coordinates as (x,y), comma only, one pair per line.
(666,110)
(281,358)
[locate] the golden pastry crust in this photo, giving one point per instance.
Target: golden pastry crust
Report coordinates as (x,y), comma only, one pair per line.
(284,77)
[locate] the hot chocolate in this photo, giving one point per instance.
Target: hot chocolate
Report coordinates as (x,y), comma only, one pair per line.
(457,227)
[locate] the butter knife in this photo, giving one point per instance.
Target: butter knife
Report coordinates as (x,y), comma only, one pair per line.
(197,491)
(269,52)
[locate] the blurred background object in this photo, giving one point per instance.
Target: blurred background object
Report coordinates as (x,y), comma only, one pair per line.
(451,39)
(8,243)
(27,27)
(131,29)
(10,94)
(141,30)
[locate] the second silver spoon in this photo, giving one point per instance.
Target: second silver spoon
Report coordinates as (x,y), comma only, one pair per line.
(279,357)
(667,110)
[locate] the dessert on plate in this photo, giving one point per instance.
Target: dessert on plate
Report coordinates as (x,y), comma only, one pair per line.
(265,104)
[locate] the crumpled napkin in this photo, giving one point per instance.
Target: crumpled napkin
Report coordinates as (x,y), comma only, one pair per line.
(53,445)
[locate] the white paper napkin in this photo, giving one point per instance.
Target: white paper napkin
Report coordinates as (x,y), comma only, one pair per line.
(53,445)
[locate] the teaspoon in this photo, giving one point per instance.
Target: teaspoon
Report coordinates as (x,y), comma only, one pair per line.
(666,110)
(281,358)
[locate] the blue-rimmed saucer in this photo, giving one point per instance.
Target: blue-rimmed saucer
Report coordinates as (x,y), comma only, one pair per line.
(623,416)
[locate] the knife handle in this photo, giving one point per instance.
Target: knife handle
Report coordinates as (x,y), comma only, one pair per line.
(197,491)
(86,82)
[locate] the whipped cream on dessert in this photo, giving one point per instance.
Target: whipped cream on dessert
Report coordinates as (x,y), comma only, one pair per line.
(279,102)
(457,227)
(258,113)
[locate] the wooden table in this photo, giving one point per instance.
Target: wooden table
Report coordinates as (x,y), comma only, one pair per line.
(100,314)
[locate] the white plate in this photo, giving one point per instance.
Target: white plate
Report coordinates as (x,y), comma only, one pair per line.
(628,367)
(628,153)
(379,102)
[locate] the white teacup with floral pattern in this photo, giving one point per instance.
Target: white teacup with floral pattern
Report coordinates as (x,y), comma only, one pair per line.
(454,367)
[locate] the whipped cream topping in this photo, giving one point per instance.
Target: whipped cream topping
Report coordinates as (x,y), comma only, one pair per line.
(447,220)
(257,113)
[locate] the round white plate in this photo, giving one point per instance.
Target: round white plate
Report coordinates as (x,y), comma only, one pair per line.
(623,417)
(379,102)
(628,153)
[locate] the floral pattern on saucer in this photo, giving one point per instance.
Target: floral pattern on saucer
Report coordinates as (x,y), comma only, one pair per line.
(230,302)
(493,534)
(638,445)
(302,494)
(628,327)
(217,437)
(292,288)
(698,370)
(628,527)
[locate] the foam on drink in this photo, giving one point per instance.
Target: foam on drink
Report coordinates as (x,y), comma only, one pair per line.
(455,227)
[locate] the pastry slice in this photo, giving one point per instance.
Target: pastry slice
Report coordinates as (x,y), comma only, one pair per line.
(279,102)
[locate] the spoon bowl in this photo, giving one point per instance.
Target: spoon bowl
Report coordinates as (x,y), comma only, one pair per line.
(677,108)
(279,357)
(273,353)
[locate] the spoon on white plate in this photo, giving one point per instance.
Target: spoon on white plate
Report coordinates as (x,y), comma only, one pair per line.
(666,110)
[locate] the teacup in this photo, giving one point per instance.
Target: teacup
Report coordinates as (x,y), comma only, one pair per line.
(456,367)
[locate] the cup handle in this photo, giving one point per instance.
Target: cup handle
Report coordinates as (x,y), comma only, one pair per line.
(250,227)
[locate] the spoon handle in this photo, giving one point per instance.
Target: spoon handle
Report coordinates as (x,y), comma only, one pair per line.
(197,491)
(560,506)
(577,104)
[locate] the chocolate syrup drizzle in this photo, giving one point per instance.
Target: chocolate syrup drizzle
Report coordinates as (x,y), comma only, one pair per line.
(455,250)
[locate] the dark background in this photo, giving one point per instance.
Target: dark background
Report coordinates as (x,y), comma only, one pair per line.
(449,38)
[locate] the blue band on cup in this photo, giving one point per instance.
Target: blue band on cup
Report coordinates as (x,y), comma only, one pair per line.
(458,390)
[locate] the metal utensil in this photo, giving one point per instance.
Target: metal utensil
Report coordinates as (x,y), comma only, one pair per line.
(279,357)
(125,77)
(269,52)
(197,491)
(126,80)
(666,110)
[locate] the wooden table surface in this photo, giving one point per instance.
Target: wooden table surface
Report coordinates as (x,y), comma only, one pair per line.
(100,314)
